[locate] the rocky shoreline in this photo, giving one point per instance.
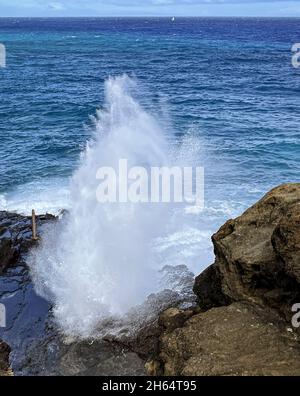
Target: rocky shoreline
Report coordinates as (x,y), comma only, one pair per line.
(15,241)
(241,324)
(245,298)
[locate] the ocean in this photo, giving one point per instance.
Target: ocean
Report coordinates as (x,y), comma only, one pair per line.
(225,86)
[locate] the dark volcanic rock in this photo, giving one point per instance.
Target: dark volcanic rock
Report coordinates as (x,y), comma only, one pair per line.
(55,356)
(4,357)
(16,236)
(7,252)
(26,312)
(247,296)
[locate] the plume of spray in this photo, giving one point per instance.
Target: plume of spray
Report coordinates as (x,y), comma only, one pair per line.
(97,262)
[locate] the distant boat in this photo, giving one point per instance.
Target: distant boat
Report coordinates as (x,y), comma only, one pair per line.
(173,19)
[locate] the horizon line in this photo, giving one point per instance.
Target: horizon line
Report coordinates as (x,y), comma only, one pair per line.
(152,16)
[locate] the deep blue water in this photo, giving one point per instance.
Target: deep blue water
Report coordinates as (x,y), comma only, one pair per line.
(228,82)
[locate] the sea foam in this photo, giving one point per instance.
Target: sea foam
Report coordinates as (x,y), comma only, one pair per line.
(102,260)
(98,261)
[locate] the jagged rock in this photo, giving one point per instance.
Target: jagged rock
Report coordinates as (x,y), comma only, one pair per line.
(208,289)
(286,241)
(257,254)
(240,339)
(246,297)
(174,317)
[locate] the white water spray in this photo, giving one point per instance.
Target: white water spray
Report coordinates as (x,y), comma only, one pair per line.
(98,262)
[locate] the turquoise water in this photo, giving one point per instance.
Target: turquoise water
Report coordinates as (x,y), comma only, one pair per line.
(227,83)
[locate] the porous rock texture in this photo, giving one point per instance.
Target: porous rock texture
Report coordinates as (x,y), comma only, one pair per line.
(245,298)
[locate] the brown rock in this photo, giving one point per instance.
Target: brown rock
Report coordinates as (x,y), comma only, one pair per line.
(258,252)
(173,318)
(286,241)
(153,367)
(257,272)
(208,288)
(240,339)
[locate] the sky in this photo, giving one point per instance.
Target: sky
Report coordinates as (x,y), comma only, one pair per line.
(56,8)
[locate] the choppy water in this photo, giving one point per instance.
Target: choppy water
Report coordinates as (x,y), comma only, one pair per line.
(226,84)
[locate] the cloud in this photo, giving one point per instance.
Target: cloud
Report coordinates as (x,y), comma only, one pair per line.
(56,6)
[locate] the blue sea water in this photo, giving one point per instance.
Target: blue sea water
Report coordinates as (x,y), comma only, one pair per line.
(227,82)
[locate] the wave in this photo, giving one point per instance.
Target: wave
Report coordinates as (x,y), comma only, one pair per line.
(45,196)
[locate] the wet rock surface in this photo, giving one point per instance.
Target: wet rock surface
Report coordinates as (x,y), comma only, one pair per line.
(120,348)
(16,236)
(25,312)
(245,298)
(57,356)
